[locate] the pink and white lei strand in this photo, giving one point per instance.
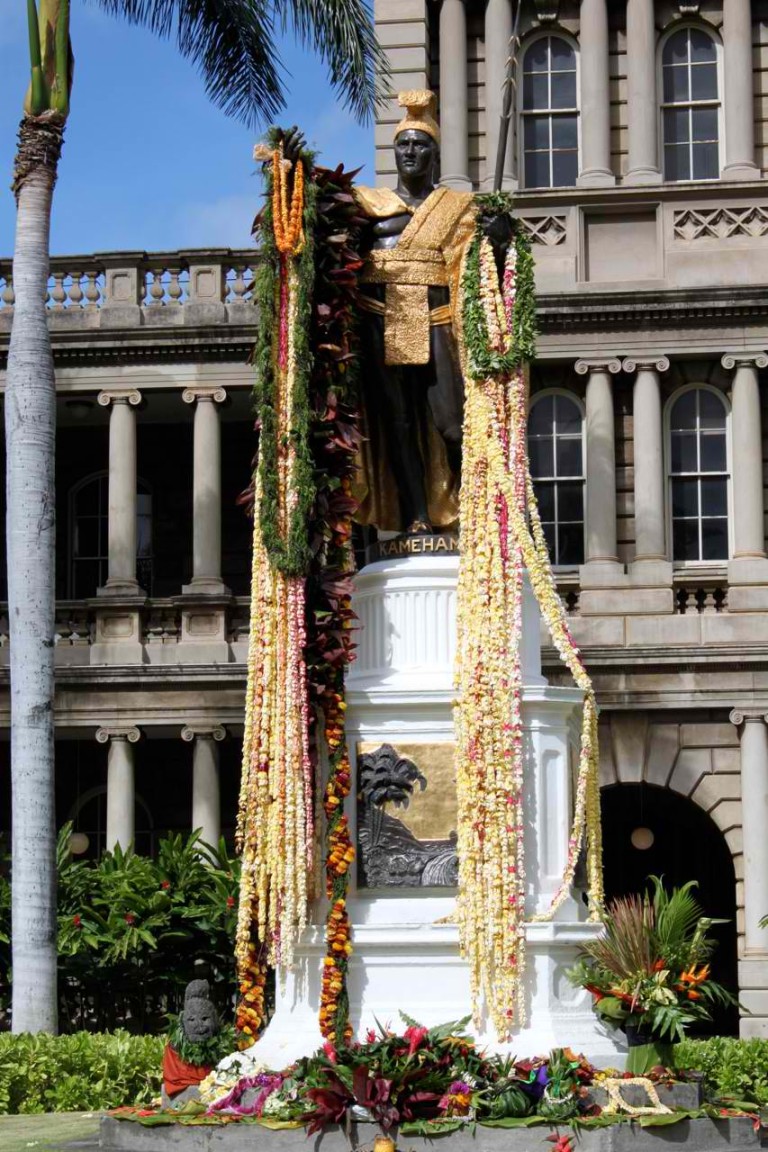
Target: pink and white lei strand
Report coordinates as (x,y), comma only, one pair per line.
(501,537)
(276,816)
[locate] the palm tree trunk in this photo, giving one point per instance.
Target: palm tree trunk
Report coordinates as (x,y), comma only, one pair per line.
(30,423)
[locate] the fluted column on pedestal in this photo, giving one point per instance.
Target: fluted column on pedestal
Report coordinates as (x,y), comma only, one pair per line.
(454,131)
(206,496)
(738,95)
(595,103)
(498,33)
(748,564)
(600,550)
(206,806)
(642,107)
(121,792)
(121,568)
(651,564)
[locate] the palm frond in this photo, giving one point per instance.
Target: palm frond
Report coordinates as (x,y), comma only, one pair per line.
(342,33)
(232,42)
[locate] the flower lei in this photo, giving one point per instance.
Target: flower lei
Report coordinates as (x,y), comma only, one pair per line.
(275,828)
(301,616)
(501,536)
(614,1085)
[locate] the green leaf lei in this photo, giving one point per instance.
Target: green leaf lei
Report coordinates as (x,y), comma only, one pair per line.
(201,1053)
(484,361)
(289,554)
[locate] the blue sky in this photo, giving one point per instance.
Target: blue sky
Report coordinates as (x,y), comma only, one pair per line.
(149,163)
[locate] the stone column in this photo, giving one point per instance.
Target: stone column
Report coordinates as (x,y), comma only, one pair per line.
(602,563)
(454,133)
(206,810)
(738,94)
(121,577)
(595,104)
(498,33)
(121,804)
(206,498)
(753,963)
(748,564)
(642,109)
(651,565)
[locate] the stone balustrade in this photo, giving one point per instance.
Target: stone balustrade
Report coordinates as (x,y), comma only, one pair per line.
(124,289)
(161,632)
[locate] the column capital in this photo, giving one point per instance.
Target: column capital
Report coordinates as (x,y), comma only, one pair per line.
(211,731)
(744,360)
(741,716)
(130,396)
(612,365)
(215,394)
(127,732)
(646,363)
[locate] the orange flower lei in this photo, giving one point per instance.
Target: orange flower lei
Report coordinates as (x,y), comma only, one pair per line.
(334,1004)
(251,1010)
(287,220)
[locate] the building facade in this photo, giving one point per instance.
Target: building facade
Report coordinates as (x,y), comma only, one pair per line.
(637,154)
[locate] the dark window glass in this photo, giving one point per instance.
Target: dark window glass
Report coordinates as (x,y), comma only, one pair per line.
(700,500)
(557,462)
(714,539)
(541,457)
(684,457)
(550,139)
(565,169)
(685,498)
(712,452)
(690,96)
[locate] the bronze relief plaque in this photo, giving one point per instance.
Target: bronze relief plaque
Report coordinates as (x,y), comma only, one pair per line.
(406,815)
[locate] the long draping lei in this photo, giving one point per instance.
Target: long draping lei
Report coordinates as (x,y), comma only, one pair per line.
(301,616)
(501,538)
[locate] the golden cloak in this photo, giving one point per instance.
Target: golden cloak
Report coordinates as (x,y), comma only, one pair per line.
(429,253)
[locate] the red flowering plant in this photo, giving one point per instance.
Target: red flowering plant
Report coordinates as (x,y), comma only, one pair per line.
(421,1074)
(649,973)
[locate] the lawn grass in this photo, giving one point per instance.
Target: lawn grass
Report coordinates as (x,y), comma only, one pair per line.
(42,1133)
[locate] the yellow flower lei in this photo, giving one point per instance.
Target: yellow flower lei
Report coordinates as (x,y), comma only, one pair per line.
(617,1103)
(501,535)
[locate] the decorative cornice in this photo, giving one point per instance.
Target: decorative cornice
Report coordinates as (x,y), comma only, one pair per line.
(216,395)
(612,365)
(203,731)
(648,363)
(130,396)
(127,732)
(744,359)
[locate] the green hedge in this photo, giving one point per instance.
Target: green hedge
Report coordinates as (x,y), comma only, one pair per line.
(83,1072)
(737,1068)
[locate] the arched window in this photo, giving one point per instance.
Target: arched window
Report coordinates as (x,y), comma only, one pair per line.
(88,540)
(556,453)
(89,815)
(690,106)
(550,114)
(698,476)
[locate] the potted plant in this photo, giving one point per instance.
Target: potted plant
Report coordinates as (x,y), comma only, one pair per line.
(649,971)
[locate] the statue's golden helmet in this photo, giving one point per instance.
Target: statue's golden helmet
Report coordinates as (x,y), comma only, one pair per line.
(420,106)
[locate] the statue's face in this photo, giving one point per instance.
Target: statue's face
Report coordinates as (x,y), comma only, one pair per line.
(415,154)
(199,1020)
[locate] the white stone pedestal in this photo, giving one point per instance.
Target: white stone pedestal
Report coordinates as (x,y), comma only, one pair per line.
(406,957)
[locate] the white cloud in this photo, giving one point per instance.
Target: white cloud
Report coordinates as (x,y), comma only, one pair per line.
(222,223)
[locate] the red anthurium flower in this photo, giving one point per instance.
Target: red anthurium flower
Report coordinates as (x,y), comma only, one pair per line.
(78,923)
(415,1035)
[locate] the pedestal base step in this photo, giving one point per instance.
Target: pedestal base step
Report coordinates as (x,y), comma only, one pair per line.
(732,1135)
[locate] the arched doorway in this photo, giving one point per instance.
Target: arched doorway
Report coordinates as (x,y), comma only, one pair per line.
(687,845)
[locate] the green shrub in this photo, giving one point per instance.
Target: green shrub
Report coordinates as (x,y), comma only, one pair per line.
(736,1068)
(84,1072)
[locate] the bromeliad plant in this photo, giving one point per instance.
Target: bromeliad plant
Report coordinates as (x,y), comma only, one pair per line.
(649,973)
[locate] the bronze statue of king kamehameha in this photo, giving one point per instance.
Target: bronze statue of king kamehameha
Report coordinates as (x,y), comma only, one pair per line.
(412,385)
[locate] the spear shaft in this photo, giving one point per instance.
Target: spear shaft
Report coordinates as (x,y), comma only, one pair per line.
(508,101)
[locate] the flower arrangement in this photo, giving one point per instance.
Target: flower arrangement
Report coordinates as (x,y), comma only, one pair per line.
(649,972)
(501,537)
